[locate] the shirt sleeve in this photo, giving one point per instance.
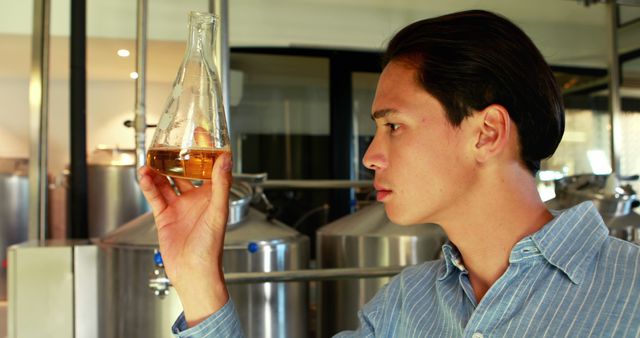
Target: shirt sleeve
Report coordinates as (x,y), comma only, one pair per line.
(222,323)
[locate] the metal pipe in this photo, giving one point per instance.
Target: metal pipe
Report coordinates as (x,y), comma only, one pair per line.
(310,275)
(221,58)
(590,86)
(160,283)
(288,165)
(614,87)
(77,209)
(140,123)
(221,50)
(315,184)
(237,158)
(39,113)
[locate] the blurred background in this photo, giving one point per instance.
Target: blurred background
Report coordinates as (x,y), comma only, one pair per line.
(301,79)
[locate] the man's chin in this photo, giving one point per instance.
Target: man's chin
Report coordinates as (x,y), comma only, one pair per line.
(404,218)
(398,217)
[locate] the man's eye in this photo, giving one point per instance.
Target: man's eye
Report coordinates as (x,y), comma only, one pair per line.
(392,126)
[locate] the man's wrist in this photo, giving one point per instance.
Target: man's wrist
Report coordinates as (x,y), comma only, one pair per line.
(201,301)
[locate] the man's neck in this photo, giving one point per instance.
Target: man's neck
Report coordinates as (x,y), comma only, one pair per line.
(506,208)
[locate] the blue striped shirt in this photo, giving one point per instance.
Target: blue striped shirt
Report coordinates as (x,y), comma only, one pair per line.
(569,279)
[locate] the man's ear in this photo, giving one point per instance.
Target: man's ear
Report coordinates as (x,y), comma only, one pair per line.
(493,133)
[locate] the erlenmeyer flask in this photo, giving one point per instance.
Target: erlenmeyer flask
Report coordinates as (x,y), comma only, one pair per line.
(192,130)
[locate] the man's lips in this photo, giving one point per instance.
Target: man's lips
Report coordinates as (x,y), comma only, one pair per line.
(379,186)
(381,192)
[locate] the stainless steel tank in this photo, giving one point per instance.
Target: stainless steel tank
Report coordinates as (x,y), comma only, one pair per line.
(14,210)
(129,308)
(114,196)
(615,203)
(366,238)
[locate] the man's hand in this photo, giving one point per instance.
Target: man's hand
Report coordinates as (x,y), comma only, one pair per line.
(191,228)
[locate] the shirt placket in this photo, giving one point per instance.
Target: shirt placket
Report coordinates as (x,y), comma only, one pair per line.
(483,319)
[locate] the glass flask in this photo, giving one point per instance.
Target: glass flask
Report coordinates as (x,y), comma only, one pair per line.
(192,130)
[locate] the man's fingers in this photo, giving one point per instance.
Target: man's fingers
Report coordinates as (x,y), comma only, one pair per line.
(202,137)
(220,185)
(183,185)
(162,184)
(151,192)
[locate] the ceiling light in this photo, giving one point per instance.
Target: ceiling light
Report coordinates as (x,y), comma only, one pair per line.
(133,75)
(123,53)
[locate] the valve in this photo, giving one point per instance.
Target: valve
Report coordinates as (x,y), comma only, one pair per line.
(159,283)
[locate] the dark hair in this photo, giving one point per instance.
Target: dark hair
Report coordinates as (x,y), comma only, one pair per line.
(470,60)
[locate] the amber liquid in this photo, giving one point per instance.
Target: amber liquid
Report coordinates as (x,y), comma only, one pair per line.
(193,164)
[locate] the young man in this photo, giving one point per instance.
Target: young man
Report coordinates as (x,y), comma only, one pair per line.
(465,110)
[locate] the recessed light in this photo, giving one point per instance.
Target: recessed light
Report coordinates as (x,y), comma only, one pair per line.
(123,53)
(133,75)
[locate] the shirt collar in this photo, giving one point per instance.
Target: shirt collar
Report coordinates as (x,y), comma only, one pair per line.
(568,242)
(452,260)
(572,238)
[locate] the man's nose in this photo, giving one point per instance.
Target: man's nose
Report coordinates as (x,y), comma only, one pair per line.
(374,158)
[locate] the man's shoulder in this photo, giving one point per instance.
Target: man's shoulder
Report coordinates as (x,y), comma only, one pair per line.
(618,248)
(619,259)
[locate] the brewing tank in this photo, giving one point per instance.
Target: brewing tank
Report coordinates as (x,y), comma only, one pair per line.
(366,238)
(615,202)
(129,308)
(114,197)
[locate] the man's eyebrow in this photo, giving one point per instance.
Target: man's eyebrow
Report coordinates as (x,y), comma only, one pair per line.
(382,113)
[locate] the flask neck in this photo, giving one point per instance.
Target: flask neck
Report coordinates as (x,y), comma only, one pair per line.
(201,34)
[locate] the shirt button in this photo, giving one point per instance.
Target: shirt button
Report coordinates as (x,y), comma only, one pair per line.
(477,335)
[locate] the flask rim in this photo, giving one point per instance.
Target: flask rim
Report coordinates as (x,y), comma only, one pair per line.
(204,17)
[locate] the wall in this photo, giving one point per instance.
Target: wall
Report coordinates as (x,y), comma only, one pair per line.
(109,103)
